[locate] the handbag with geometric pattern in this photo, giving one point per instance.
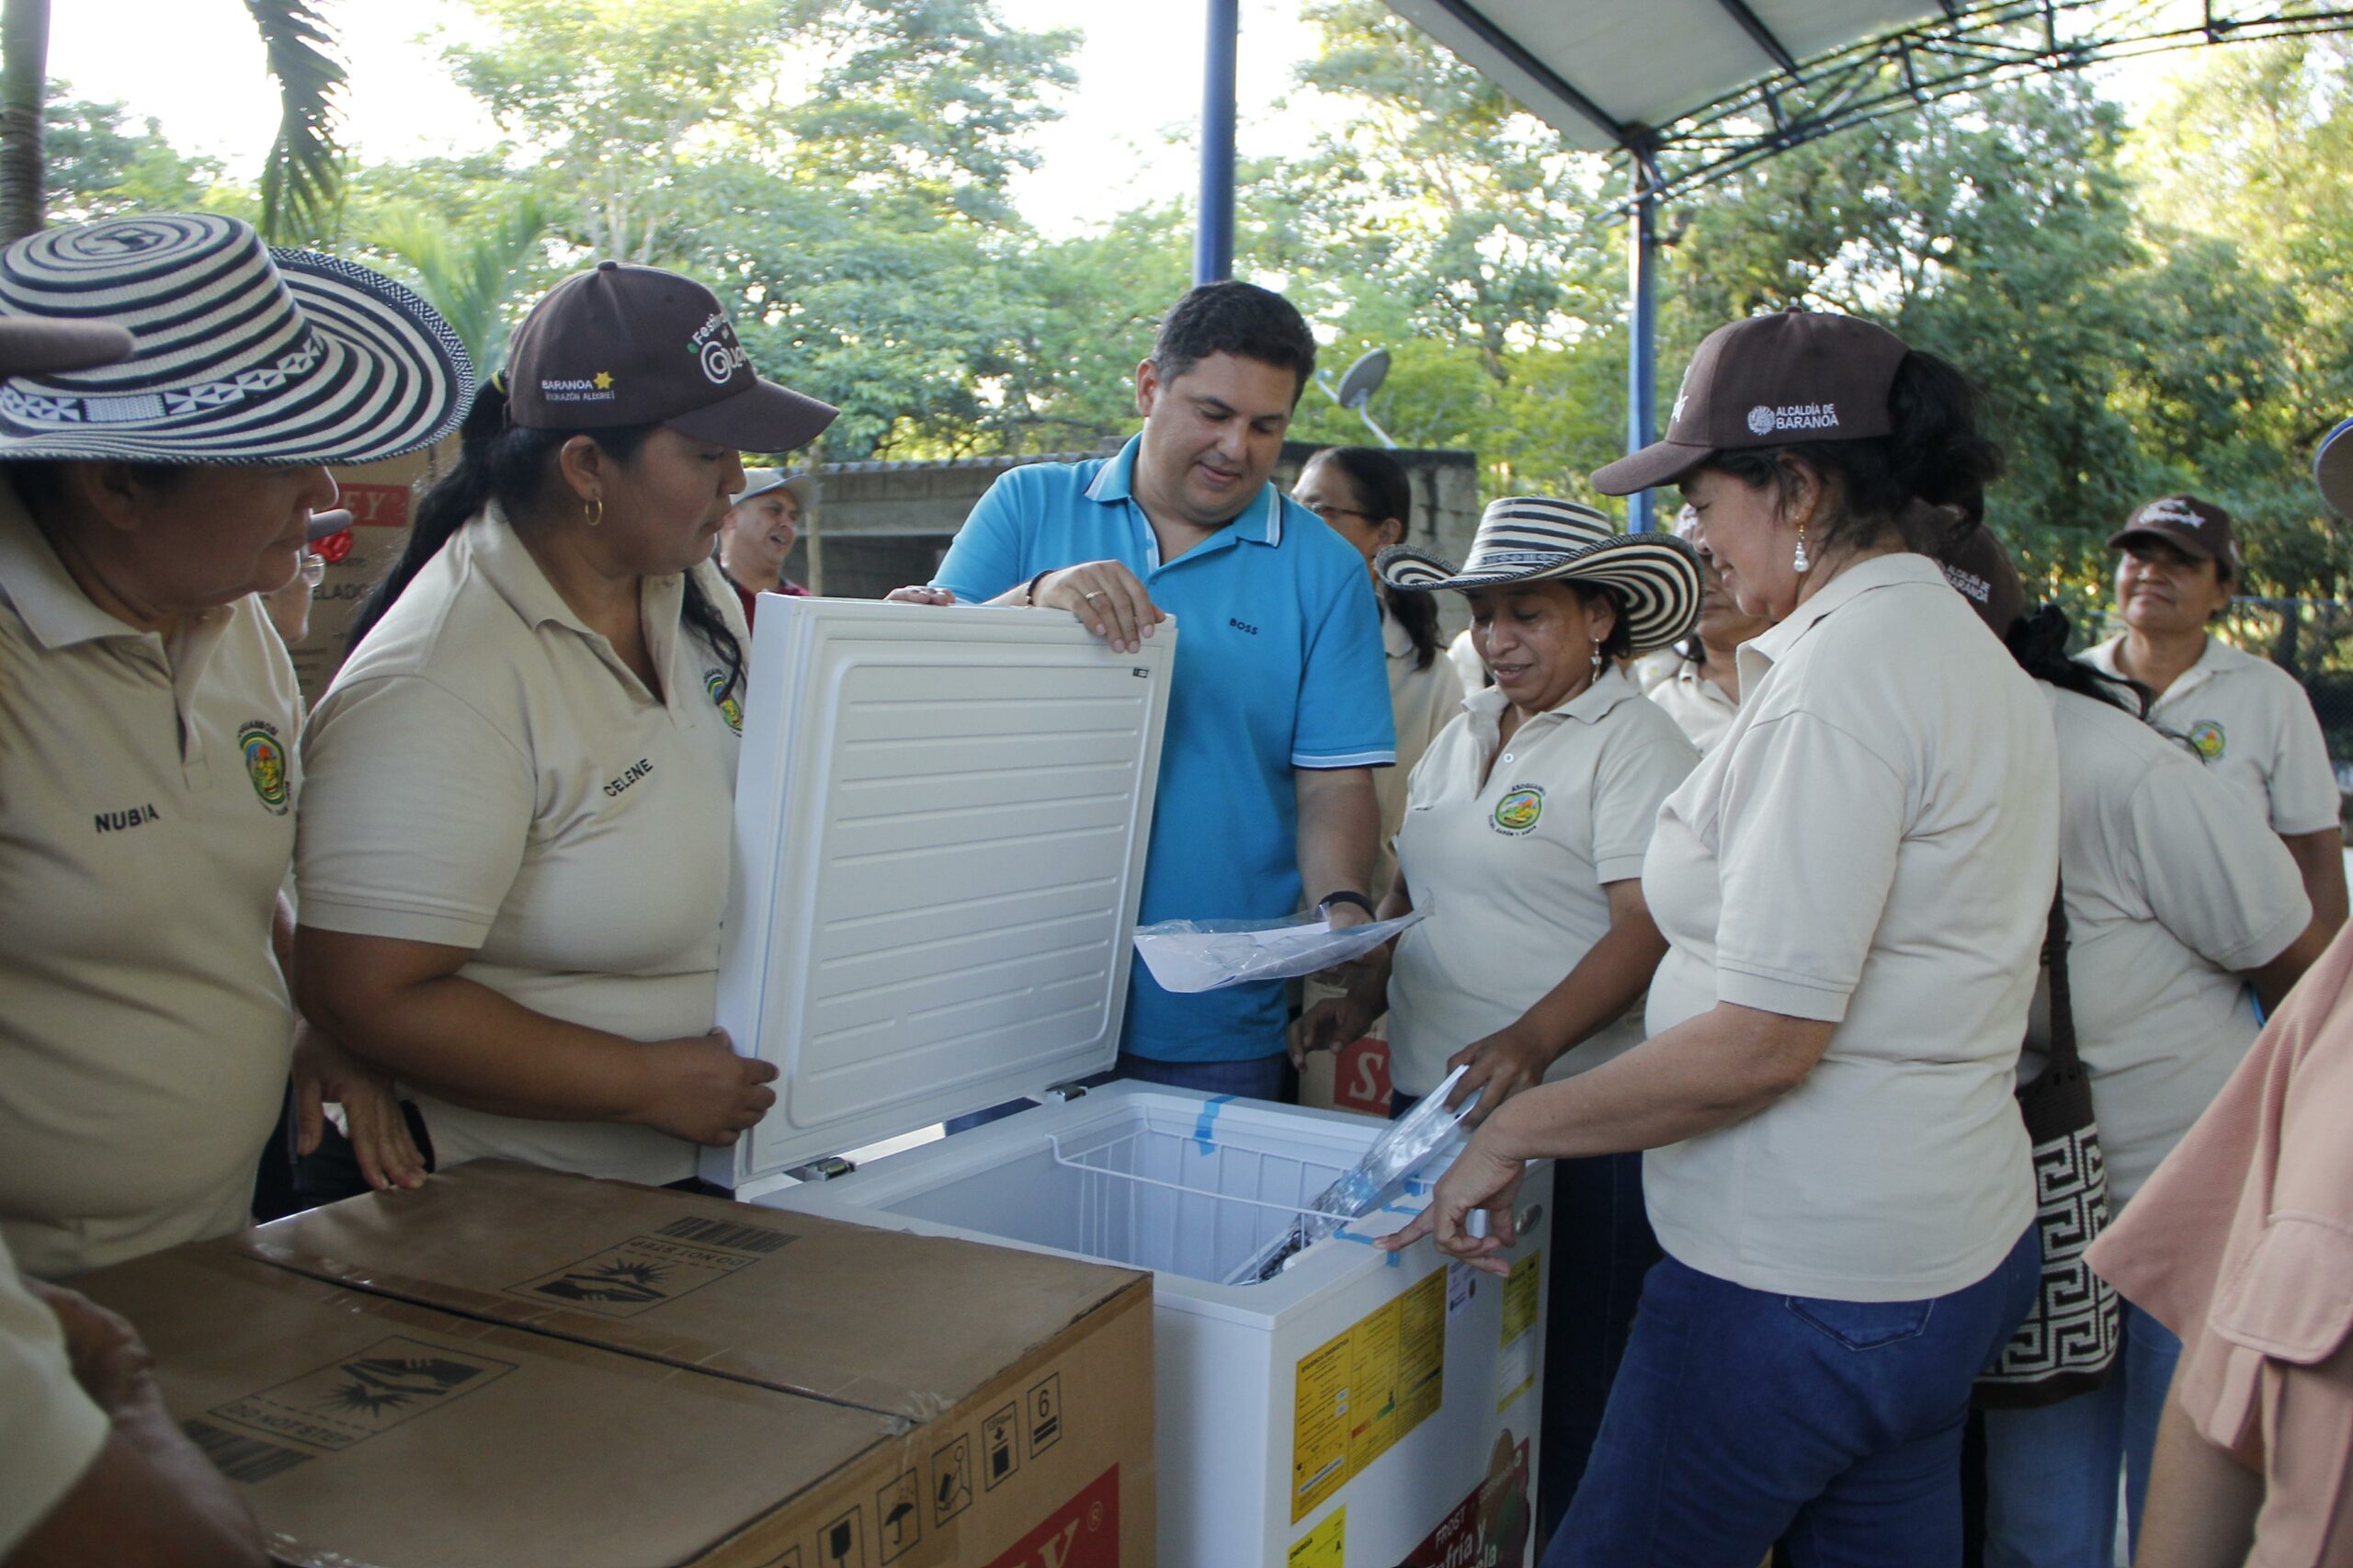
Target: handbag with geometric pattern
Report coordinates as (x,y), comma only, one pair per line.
(2067,1343)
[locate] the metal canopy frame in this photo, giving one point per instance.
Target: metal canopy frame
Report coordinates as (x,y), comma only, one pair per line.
(1972,47)
(1970,50)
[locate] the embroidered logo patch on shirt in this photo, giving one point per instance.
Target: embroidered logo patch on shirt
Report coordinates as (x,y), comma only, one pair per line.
(715,683)
(1517,813)
(265,763)
(2207,738)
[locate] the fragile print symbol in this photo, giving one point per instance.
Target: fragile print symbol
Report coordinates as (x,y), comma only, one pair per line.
(265,763)
(634,1282)
(356,1396)
(638,1275)
(376,1384)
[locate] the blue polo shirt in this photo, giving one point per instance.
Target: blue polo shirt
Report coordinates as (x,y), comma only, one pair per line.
(1280,666)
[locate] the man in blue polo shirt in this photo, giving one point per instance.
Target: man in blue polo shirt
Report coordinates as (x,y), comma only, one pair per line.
(1279,710)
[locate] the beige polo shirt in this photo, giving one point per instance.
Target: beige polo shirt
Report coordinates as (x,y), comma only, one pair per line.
(2254,725)
(2172,886)
(146,816)
(1512,862)
(53,1429)
(487,773)
(1872,845)
(1679,685)
(1423,702)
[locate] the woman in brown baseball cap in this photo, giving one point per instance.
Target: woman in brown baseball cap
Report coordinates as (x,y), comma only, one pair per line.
(513,851)
(1853,886)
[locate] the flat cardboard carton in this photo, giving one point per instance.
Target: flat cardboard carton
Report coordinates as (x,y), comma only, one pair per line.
(879,1400)
(382,498)
(364,1430)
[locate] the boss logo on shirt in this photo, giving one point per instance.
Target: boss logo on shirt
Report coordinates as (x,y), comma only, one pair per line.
(2208,739)
(715,683)
(265,763)
(1242,626)
(1518,812)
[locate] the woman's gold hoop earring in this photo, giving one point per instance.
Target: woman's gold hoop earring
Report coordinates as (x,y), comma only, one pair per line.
(596,511)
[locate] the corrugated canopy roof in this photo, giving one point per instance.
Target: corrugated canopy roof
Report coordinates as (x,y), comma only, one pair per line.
(1604,73)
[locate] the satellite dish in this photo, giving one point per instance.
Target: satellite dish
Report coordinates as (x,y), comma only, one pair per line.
(1363,378)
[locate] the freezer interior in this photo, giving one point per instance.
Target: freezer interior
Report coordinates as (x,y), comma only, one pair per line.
(1142,1191)
(1176,1183)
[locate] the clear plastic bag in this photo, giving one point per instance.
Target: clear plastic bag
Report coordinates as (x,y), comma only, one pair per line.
(1410,1143)
(1205,954)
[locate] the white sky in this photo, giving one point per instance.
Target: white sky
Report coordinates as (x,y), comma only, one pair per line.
(195,66)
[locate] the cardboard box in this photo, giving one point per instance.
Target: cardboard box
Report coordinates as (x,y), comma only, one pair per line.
(1354,1077)
(708,1383)
(382,497)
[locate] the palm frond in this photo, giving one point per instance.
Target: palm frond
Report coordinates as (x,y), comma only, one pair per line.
(469,280)
(304,173)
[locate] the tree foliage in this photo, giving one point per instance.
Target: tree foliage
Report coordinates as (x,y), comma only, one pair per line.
(2145,309)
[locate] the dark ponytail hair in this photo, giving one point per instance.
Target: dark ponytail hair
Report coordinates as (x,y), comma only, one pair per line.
(1936,453)
(1381,483)
(2038,642)
(508,465)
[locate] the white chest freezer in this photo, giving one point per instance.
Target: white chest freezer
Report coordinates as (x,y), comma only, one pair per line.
(940,827)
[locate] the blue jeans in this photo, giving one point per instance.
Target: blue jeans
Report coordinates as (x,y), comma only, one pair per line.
(1602,1249)
(1252,1078)
(1740,1418)
(2050,1474)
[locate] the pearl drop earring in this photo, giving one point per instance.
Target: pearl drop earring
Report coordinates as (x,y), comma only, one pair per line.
(1798,561)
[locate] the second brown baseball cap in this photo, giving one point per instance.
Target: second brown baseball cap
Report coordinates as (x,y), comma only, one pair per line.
(1768,381)
(620,345)
(2199,530)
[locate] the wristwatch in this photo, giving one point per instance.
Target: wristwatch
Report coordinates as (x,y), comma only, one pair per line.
(1347,895)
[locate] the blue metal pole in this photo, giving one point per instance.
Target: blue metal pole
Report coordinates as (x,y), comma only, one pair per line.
(1213,242)
(1642,333)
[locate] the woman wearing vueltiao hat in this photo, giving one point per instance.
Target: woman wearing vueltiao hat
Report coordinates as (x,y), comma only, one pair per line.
(1854,888)
(1525,826)
(98,1472)
(149,714)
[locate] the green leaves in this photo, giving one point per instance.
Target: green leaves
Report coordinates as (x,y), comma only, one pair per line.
(304,173)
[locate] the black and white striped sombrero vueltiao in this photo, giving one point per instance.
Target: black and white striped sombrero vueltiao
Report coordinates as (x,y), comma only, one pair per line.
(1533,538)
(243,354)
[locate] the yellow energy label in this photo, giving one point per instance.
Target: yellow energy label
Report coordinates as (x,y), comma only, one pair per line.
(1359,1393)
(1322,1547)
(1522,1296)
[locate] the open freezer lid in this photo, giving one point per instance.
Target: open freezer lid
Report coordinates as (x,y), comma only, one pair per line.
(940,822)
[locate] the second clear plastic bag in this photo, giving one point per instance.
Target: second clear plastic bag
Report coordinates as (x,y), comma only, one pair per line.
(1409,1142)
(1207,955)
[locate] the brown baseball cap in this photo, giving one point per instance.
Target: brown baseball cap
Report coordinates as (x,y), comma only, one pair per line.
(1980,570)
(32,346)
(1768,381)
(2198,528)
(620,345)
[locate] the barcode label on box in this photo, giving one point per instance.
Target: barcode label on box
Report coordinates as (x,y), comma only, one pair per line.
(724,1234)
(248,1459)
